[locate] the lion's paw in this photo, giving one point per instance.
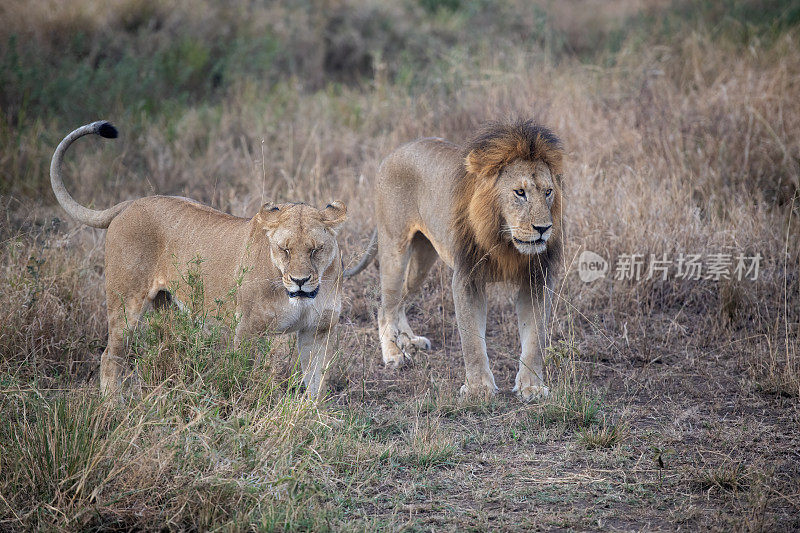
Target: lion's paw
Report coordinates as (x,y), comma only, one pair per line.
(394,357)
(478,390)
(419,342)
(406,342)
(532,393)
(394,361)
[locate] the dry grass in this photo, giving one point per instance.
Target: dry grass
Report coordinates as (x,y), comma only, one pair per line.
(675,402)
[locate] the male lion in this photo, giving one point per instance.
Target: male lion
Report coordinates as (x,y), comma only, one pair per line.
(286,259)
(492,211)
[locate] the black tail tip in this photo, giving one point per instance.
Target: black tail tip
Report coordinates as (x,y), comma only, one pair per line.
(106,130)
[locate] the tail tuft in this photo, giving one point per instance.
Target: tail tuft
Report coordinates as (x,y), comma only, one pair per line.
(105,129)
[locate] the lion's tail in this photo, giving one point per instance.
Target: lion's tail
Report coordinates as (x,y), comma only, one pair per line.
(366,259)
(90,217)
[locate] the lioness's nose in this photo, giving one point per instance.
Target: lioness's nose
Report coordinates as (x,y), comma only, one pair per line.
(542,229)
(300,281)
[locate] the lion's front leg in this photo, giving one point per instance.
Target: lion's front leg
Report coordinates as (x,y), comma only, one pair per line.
(533,311)
(470,302)
(314,348)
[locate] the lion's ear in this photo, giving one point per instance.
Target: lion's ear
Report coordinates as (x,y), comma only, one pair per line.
(482,162)
(268,216)
(473,162)
(334,215)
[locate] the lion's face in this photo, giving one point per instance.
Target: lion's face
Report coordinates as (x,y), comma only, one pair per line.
(526,192)
(508,204)
(302,243)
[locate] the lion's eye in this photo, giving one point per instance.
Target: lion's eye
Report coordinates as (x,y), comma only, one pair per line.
(285,252)
(548,193)
(314,252)
(520,192)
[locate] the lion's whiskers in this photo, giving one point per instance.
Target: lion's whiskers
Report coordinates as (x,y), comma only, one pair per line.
(508,229)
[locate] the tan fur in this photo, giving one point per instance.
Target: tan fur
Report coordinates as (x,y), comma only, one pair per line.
(286,248)
(436,199)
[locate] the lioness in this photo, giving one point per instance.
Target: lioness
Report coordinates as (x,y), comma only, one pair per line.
(286,259)
(492,211)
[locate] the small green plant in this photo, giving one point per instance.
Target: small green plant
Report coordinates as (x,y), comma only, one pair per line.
(727,476)
(604,435)
(573,408)
(427,448)
(192,346)
(34,270)
(571,403)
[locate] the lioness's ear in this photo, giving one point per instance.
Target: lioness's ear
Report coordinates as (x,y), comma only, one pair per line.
(334,215)
(268,216)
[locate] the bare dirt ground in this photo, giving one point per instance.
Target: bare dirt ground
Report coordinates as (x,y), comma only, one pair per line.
(699,447)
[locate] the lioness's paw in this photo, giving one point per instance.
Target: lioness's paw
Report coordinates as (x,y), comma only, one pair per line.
(532,393)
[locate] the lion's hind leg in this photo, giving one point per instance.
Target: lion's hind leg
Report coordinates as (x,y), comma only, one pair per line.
(422,257)
(393,257)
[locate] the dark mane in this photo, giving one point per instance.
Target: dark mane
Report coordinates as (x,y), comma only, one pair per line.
(478,218)
(497,144)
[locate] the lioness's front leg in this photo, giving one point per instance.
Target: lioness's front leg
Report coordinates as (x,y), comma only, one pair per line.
(533,311)
(313,346)
(469,297)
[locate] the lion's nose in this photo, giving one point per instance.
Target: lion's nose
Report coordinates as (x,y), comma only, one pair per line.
(542,229)
(300,281)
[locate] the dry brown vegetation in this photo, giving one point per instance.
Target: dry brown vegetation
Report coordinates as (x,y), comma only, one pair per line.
(675,402)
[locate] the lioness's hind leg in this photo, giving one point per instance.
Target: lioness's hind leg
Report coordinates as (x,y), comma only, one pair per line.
(123,314)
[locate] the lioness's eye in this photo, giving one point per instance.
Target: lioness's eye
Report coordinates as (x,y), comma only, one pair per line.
(548,192)
(520,192)
(314,251)
(286,252)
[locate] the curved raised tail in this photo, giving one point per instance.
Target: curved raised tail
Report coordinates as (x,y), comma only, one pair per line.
(90,217)
(366,259)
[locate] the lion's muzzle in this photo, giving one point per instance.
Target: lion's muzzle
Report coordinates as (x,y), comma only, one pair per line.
(543,231)
(535,242)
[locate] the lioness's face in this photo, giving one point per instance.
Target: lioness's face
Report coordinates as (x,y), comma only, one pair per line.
(526,195)
(302,244)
